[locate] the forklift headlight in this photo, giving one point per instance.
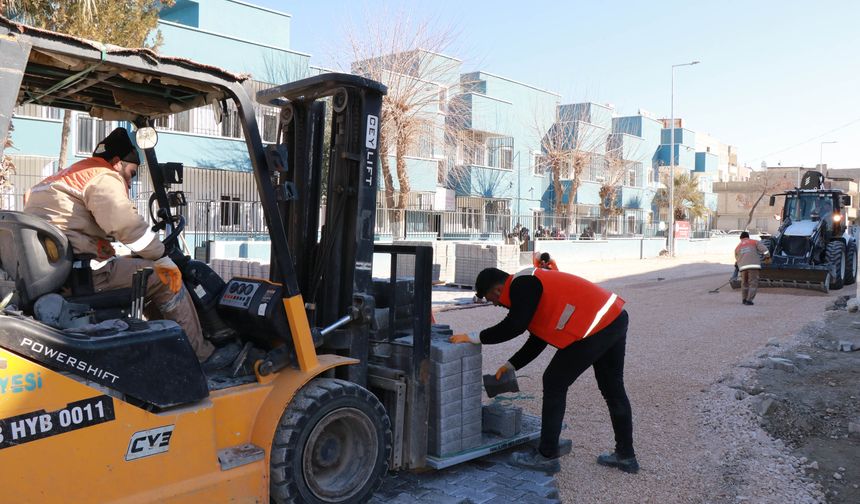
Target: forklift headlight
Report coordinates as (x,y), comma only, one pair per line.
(837,217)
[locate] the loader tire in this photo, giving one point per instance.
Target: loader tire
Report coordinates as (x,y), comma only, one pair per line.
(851,264)
(332,445)
(836,261)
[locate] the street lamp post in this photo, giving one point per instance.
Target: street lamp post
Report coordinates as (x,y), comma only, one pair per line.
(821,155)
(672,162)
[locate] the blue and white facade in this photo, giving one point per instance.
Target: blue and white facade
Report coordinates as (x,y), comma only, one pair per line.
(493,164)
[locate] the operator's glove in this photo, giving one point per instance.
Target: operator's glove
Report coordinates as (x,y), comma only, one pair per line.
(507,366)
(169,274)
(473,337)
(767,260)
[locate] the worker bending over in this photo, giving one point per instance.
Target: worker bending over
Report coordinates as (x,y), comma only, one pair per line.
(588,327)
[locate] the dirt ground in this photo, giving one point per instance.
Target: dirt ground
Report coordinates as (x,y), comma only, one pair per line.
(698,436)
(814,404)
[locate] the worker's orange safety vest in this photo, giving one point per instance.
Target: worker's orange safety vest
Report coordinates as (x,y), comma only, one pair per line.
(570,309)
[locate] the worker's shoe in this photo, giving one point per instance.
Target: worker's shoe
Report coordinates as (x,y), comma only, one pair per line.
(532,459)
(565,446)
(748,302)
(222,357)
(628,464)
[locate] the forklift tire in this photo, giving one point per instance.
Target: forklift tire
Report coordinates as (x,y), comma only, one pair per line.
(836,260)
(851,264)
(332,445)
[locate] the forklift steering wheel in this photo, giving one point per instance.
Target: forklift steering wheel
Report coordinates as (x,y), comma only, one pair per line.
(171,241)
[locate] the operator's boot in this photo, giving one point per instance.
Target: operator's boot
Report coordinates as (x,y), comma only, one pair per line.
(626,464)
(533,459)
(565,446)
(222,357)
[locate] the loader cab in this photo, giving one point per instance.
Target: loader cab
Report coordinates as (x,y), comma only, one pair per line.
(815,206)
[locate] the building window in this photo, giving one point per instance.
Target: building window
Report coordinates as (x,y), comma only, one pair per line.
(230,124)
(38,111)
(182,121)
(229,210)
(164,123)
(270,126)
(538,163)
(507,158)
(500,152)
(89,132)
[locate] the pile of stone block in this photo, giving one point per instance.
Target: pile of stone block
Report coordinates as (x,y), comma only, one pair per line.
(471,258)
(454,423)
(229,268)
(443,260)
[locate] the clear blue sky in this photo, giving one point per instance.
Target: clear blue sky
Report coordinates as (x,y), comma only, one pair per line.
(777,77)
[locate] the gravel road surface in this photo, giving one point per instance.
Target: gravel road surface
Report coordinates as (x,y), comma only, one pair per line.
(681,340)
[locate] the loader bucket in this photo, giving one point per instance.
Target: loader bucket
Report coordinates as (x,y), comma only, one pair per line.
(798,277)
(792,276)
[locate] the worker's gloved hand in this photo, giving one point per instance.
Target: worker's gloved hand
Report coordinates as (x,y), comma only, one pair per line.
(472,337)
(507,366)
(767,260)
(169,274)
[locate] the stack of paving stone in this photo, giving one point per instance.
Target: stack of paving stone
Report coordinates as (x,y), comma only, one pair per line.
(443,260)
(455,391)
(471,258)
(229,268)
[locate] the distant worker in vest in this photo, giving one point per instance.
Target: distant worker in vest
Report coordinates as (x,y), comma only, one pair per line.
(748,257)
(89,203)
(544,261)
(588,327)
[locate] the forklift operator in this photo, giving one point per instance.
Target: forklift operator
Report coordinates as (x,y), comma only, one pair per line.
(89,203)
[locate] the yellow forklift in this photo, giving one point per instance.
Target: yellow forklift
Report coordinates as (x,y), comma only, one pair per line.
(98,404)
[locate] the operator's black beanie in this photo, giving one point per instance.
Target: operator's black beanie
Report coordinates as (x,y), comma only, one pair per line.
(487,279)
(117,144)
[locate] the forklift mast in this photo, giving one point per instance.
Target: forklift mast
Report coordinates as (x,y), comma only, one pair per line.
(333,263)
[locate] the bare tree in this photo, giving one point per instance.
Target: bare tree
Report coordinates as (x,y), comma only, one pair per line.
(764,184)
(619,161)
(406,56)
(571,149)
(128,23)
(7,168)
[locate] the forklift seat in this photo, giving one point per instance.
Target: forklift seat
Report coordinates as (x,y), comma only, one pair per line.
(36,259)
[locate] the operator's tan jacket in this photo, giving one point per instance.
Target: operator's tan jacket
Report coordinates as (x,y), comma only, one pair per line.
(748,254)
(89,202)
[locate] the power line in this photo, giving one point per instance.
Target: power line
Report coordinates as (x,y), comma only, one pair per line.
(855,121)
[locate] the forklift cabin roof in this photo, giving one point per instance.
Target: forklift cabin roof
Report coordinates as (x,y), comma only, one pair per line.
(106,81)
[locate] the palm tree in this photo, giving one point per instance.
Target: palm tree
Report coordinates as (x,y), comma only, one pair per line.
(689,201)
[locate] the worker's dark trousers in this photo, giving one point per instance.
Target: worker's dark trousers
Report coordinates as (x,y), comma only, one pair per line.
(605,351)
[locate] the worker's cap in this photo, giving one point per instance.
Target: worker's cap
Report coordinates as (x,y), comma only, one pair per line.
(487,279)
(117,144)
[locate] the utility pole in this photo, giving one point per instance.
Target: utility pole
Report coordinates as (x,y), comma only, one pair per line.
(671,241)
(821,155)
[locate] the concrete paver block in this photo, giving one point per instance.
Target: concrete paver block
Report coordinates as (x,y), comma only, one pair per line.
(505,421)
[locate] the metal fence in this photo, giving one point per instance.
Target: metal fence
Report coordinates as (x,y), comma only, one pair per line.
(235,219)
(476,225)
